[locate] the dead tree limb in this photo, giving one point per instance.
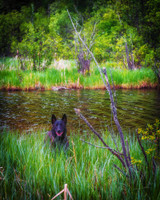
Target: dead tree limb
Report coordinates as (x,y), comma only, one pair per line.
(107,85)
(114,111)
(117,154)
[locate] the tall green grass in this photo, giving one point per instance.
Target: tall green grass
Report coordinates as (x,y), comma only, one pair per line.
(9,63)
(31,169)
(69,77)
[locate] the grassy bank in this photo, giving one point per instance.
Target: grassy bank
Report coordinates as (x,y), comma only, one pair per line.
(13,79)
(29,169)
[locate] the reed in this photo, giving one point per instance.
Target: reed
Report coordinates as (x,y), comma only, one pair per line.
(30,169)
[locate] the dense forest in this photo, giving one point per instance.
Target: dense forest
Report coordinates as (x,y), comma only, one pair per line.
(123,31)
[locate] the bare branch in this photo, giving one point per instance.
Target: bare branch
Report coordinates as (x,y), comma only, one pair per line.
(98,135)
(94,145)
(69,194)
(58,194)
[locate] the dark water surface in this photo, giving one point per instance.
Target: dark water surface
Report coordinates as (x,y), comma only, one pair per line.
(32,110)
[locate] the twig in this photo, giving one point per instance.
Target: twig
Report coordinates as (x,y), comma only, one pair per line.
(101,147)
(65,192)
(94,145)
(120,170)
(69,194)
(58,194)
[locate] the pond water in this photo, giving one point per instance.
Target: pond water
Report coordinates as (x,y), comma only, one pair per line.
(32,110)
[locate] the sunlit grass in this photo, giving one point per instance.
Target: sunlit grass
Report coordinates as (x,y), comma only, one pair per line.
(70,78)
(30,169)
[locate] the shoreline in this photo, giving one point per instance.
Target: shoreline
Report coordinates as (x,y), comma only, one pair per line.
(53,79)
(76,87)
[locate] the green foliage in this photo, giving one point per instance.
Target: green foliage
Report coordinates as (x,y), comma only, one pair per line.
(39,34)
(60,29)
(145,17)
(9,30)
(36,44)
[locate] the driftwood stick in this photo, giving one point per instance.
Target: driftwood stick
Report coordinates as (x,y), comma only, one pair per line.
(65,192)
(69,194)
(58,194)
(98,135)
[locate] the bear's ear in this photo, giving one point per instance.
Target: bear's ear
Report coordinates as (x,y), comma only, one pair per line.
(64,118)
(53,119)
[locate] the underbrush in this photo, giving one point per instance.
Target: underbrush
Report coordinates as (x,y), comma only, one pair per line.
(31,169)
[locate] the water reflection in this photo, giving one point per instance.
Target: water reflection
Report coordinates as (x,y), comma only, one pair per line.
(32,110)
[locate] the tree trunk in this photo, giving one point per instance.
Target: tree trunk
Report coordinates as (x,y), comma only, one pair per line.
(84,64)
(128,59)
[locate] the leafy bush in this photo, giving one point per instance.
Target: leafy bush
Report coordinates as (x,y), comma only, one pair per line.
(152,135)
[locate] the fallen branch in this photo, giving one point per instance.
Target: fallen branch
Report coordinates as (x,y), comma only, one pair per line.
(58,194)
